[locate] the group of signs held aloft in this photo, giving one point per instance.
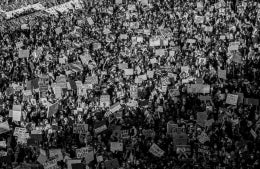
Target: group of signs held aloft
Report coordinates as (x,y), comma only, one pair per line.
(163,47)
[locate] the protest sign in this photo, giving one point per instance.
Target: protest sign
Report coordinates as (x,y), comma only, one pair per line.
(183,151)
(148,133)
(52,109)
(105,100)
(145,2)
(19,132)
(86,152)
(58,30)
(199,19)
(134,91)
(116,146)
(100,128)
(17,113)
(251,101)
(62,81)
(201,118)
(124,134)
(155,41)
(123,66)
(118,2)
(115,107)
(203,137)
(129,72)
(24,53)
(80,128)
(232,99)
(4,127)
(36,135)
(222,74)
(50,164)
(2,144)
(156,150)
(90,21)
(91,80)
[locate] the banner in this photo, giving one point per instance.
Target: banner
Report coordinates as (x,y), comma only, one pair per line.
(29,8)
(65,7)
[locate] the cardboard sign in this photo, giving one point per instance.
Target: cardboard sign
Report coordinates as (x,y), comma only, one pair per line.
(156,150)
(222,74)
(91,80)
(199,19)
(83,152)
(80,128)
(17,113)
(198,88)
(24,53)
(118,1)
(19,132)
(129,72)
(115,107)
(52,109)
(123,66)
(159,52)
(232,99)
(62,82)
(153,42)
(116,146)
(58,30)
(90,21)
(105,100)
(4,127)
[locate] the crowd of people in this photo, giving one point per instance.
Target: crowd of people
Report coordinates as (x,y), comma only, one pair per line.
(127,84)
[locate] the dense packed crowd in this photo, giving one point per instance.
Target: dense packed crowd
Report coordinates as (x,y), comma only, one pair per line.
(130,84)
